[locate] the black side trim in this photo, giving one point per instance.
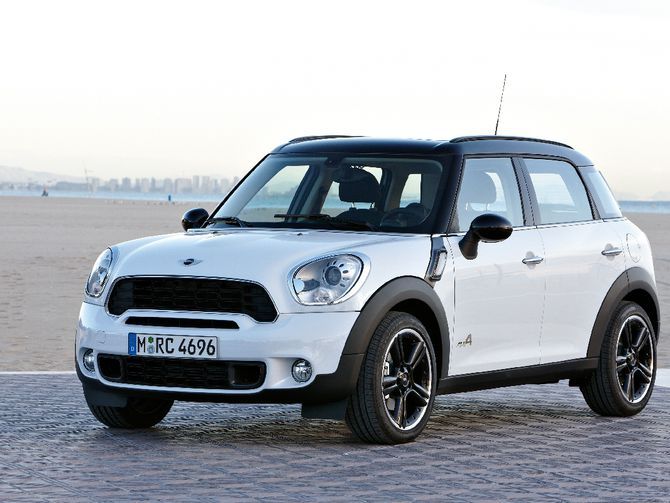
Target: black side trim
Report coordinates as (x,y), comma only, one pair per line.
(394,292)
(633,279)
(535,374)
(326,388)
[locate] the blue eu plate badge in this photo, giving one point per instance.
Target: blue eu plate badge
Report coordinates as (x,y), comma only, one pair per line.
(132,344)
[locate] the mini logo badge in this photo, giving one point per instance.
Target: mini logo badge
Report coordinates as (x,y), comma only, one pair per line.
(190,261)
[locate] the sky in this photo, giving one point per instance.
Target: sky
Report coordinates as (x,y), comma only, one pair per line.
(169,89)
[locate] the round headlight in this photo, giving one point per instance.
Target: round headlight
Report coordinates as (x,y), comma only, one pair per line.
(100,273)
(328,280)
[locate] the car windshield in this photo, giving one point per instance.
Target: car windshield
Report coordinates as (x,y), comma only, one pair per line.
(387,194)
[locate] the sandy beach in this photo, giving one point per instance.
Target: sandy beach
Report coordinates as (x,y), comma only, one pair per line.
(49,245)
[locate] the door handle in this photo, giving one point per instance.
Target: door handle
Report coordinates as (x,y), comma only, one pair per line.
(612,252)
(533,260)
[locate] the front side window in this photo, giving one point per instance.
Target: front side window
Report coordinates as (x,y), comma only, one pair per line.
(560,193)
(387,194)
(488,186)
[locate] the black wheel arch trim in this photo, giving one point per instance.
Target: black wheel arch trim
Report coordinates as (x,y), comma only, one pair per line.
(390,295)
(631,280)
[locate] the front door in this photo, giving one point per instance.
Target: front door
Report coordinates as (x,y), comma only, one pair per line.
(499,295)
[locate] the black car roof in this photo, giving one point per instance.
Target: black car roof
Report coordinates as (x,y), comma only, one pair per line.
(512,145)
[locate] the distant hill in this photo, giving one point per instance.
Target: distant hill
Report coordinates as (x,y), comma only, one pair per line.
(11,174)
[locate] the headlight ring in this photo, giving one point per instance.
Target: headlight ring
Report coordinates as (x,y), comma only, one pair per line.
(327,280)
(100,274)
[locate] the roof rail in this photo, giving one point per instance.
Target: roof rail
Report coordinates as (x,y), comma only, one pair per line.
(462,139)
(322,137)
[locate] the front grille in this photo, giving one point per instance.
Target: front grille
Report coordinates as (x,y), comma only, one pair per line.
(181,373)
(192,294)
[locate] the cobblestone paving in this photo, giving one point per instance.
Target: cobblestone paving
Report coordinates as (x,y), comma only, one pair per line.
(536,443)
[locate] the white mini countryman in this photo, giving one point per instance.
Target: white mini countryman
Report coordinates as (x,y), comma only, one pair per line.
(362,277)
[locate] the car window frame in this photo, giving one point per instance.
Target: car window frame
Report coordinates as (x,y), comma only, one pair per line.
(595,215)
(526,205)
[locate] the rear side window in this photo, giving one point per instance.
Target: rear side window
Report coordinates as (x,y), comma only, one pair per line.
(607,205)
(560,193)
(488,186)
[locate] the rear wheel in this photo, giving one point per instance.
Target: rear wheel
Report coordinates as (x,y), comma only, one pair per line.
(624,380)
(138,413)
(396,388)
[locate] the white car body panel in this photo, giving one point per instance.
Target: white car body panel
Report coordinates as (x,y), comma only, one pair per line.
(267,256)
(498,304)
(578,277)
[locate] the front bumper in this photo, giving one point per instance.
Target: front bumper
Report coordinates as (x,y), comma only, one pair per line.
(317,337)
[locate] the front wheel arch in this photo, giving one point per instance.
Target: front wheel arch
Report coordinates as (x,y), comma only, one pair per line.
(413,296)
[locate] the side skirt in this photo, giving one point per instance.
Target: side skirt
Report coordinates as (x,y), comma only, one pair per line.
(535,374)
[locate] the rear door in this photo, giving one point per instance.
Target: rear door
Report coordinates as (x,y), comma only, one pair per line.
(498,298)
(583,257)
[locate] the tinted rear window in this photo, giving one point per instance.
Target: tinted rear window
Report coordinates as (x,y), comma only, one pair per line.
(605,201)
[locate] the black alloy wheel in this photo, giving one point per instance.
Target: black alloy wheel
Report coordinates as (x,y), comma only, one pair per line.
(396,387)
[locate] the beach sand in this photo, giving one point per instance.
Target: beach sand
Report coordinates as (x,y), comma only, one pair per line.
(48,246)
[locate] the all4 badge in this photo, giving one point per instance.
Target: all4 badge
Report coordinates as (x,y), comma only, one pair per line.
(466,342)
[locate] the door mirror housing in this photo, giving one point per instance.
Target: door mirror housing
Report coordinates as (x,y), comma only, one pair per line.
(194,218)
(489,228)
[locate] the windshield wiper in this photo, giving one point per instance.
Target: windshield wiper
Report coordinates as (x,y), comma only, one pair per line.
(227,220)
(337,222)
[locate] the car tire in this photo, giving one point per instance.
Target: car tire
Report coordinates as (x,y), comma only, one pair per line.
(138,413)
(624,379)
(396,387)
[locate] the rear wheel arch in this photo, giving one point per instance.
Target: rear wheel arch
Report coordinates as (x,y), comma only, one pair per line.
(645,300)
(636,285)
(410,295)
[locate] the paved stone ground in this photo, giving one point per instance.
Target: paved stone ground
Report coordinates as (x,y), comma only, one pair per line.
(526,443)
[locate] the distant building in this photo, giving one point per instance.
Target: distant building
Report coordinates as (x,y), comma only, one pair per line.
(206,185)
(183,185)
(168,185)
(195,187)
(126,185)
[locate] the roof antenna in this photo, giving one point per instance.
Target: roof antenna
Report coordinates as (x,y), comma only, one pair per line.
(500,106)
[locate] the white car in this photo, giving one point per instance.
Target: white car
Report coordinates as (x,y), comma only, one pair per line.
(362,277)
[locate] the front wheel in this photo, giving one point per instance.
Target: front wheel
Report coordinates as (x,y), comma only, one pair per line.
(623,382)
(138,413)
(396,388)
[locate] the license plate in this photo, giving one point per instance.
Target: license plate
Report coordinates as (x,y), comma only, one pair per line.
(173,346)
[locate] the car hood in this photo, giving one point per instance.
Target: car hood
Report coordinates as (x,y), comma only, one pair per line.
(269,256)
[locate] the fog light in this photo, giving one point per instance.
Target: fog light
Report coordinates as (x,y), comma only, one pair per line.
(302,370)
(89,360)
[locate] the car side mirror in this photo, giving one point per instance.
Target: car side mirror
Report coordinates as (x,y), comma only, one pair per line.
(194,218)
(489,228)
